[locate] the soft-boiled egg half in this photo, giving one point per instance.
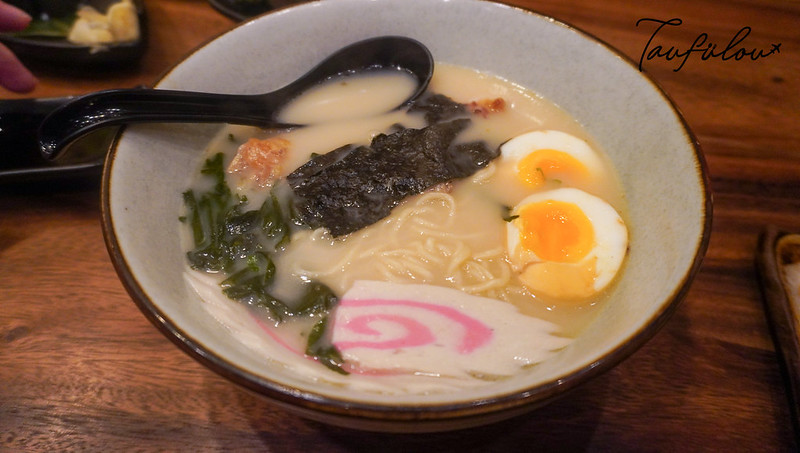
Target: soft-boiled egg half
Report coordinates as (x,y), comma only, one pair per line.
(566,243)
(549,155)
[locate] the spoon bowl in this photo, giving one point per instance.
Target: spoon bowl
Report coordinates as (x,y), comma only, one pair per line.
(114,107)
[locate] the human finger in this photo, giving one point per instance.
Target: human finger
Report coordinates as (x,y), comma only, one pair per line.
(13,74)
(12,18)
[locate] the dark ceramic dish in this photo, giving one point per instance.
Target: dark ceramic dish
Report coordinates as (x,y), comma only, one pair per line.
(245,9)
(21,160)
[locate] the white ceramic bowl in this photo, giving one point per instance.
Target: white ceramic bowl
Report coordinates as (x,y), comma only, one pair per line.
(657,159)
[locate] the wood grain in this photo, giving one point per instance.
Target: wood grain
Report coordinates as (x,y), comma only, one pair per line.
(82,370)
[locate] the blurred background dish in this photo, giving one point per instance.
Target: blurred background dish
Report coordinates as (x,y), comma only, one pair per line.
(245,9)
(59,34)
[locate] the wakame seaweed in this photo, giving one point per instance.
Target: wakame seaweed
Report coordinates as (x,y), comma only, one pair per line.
(239,243)
(353,187)
(319,347)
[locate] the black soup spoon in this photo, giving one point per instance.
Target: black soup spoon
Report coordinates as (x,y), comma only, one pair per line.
(140,105)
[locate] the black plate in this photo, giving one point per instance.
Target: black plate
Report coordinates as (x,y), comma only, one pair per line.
(245,9)
(58,52)
(21,160)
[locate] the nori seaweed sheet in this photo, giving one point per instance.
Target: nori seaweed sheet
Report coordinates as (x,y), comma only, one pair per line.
(353,187)
(438,108)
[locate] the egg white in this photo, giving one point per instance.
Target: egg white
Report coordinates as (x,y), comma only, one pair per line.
(520,146)
(609,250)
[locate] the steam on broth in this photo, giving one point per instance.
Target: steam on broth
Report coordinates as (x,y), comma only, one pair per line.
(473,254)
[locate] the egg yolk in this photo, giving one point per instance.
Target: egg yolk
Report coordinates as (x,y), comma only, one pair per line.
(534,168)
(555,231)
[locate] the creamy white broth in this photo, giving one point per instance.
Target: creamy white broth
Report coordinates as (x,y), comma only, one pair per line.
(350,96)
(471,212)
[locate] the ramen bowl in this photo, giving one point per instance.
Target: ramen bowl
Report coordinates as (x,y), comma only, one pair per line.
(658,162)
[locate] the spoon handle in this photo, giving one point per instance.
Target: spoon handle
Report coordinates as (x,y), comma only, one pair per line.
(19,122)
(115,107)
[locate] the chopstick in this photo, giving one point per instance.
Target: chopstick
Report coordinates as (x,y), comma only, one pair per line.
(776,249)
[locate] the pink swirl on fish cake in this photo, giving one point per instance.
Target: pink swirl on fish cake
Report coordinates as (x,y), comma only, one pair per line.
(415,333)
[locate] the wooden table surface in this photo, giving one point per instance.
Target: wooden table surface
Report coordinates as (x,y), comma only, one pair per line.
(82,369)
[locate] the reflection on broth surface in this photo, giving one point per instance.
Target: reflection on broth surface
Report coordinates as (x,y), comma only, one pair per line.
(420,282)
